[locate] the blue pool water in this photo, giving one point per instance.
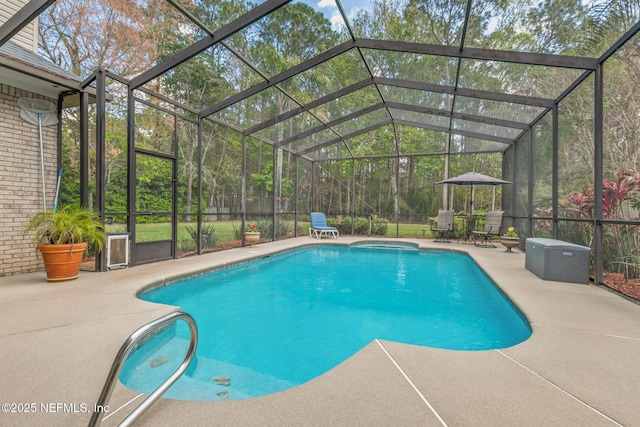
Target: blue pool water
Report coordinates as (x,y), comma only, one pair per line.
(269,325)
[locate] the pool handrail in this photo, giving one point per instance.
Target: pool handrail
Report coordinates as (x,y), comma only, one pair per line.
(124,351)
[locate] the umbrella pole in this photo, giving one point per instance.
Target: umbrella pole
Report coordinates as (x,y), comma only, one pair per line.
(470,223)
(471,202)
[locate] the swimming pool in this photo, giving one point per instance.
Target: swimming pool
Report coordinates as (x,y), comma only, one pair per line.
(273,324)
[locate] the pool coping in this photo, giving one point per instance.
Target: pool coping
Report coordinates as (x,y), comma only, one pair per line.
(577,368)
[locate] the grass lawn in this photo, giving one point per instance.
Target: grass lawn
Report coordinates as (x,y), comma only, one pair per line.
(228,230)
(410,230)
(162,231)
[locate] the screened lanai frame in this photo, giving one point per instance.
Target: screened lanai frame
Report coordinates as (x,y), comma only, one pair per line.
(315,143)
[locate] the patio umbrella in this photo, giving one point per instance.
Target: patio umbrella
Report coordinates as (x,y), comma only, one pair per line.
(474,178)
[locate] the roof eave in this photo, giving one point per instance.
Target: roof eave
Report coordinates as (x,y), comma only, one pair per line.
(33,79)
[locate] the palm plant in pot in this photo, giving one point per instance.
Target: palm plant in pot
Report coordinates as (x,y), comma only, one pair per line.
(62,236)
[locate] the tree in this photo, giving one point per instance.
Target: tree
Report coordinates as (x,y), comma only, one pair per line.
(289,36)
(118,35)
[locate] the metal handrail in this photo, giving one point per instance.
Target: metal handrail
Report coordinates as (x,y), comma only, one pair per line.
(127,346)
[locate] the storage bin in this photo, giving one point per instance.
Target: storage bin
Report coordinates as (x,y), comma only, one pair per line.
(559,261)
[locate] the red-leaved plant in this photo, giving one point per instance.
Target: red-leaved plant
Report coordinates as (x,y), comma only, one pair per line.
(614,194)
(621,243)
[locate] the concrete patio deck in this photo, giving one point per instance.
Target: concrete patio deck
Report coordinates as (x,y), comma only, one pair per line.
(580,367)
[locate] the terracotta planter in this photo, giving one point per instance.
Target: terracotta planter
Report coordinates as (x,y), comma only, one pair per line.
(509,242)
(251,237)
(62,262)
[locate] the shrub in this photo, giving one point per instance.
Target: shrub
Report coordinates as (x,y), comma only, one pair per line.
(620,240)
(209,237)
(282,227)
(265,227)
(379,225)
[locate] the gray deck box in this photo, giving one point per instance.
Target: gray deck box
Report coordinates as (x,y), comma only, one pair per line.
(552,259)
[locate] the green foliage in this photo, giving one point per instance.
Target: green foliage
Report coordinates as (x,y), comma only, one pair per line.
(186,245)
(557,25)
(421,200)
(237,234)
(379,226)
(153,187)
(264,181)
(266,228)
(621,245)
(511,232)
(290,35)
(68,224)
(620,241)
(209,236)
(283,227)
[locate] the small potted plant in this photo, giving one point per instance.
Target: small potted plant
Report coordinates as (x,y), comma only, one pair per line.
(510,239)
(253,235)
(62,237)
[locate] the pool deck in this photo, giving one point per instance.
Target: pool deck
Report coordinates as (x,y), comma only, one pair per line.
(580,367)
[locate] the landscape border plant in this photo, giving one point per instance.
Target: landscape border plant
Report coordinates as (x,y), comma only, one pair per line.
(620,242)
(209,236)
(379,225)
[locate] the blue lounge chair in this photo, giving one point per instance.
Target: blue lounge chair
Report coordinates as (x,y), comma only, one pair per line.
(320,228)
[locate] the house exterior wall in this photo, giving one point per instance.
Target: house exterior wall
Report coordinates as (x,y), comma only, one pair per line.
(28,36)
(20,180)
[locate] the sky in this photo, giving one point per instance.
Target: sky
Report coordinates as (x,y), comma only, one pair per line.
(330,10)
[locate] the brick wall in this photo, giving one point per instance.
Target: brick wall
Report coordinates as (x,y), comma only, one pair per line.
(20,181)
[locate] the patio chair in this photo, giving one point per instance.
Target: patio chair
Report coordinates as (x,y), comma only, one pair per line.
(320,228)
(492,227)
(444,226)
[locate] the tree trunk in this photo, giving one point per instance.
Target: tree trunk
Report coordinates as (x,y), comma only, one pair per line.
(394,187)
(189,194)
